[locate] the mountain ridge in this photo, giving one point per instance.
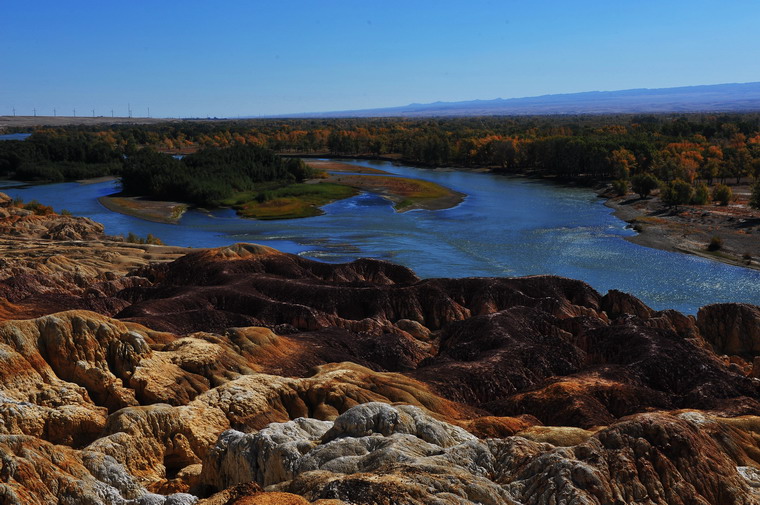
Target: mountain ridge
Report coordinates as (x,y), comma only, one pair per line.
(729,97)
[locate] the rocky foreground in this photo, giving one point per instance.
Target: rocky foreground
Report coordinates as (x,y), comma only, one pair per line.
(138,374)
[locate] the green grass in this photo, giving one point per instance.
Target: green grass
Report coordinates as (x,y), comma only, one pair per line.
(288,202)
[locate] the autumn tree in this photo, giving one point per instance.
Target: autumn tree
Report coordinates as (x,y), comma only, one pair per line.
(683,160)
(505,153)
(712,161)
(623,163)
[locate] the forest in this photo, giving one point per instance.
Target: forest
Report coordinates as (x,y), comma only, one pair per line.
(692,149)
(208,176)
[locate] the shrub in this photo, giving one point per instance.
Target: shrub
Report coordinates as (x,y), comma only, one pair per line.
(643,184)
(701,195)
(65,212)
(38,208)
(677,193)
(722,193)
(152,239)
(134,238)
(264,196)
(620,187)
(715,243)
(754,199)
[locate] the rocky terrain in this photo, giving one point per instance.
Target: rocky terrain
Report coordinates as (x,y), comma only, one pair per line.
(139,374)
(45,258)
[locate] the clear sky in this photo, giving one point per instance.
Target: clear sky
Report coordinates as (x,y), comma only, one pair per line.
(228,58)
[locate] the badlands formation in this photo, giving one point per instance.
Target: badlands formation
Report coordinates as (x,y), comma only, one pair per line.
(143,374)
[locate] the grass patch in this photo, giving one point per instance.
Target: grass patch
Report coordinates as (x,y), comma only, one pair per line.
(288,202)
(406,193)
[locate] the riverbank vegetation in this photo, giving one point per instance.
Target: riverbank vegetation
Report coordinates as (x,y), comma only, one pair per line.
(690,146)
(233,157)
(272,201)
(210,176)
(58,155)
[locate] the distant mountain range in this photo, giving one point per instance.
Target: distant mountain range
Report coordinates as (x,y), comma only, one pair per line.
(711,98)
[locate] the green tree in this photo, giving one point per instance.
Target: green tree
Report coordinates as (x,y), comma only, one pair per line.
(741,163)
(643,184)
(620,187)
(701,195)
(678,192)
(711,169)
(722,193)
(754,199)
(668,168)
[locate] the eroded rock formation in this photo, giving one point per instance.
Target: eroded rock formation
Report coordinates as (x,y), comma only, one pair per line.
(53,262)
(142,375)
(399,455)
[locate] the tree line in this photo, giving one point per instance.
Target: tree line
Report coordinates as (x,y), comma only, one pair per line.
(693,148)
(58,155)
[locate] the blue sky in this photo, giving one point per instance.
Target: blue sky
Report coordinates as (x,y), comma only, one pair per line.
(230,58)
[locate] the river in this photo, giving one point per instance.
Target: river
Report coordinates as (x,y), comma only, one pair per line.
(505,227)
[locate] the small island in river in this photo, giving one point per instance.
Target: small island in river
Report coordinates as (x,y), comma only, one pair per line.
(143,208)
(284,199)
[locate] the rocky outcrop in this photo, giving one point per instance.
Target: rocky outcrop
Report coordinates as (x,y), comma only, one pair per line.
(618,304)
(731,328)
(35,472)
(360,441)
(39,277)
(17,221)
(51,262)
(247,285)
(522,361)
(94,353)
(168,397)
(543,346)
(158,441)
(382,454)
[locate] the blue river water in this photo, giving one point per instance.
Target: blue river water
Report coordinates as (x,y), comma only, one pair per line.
(15,136)
(505,227)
